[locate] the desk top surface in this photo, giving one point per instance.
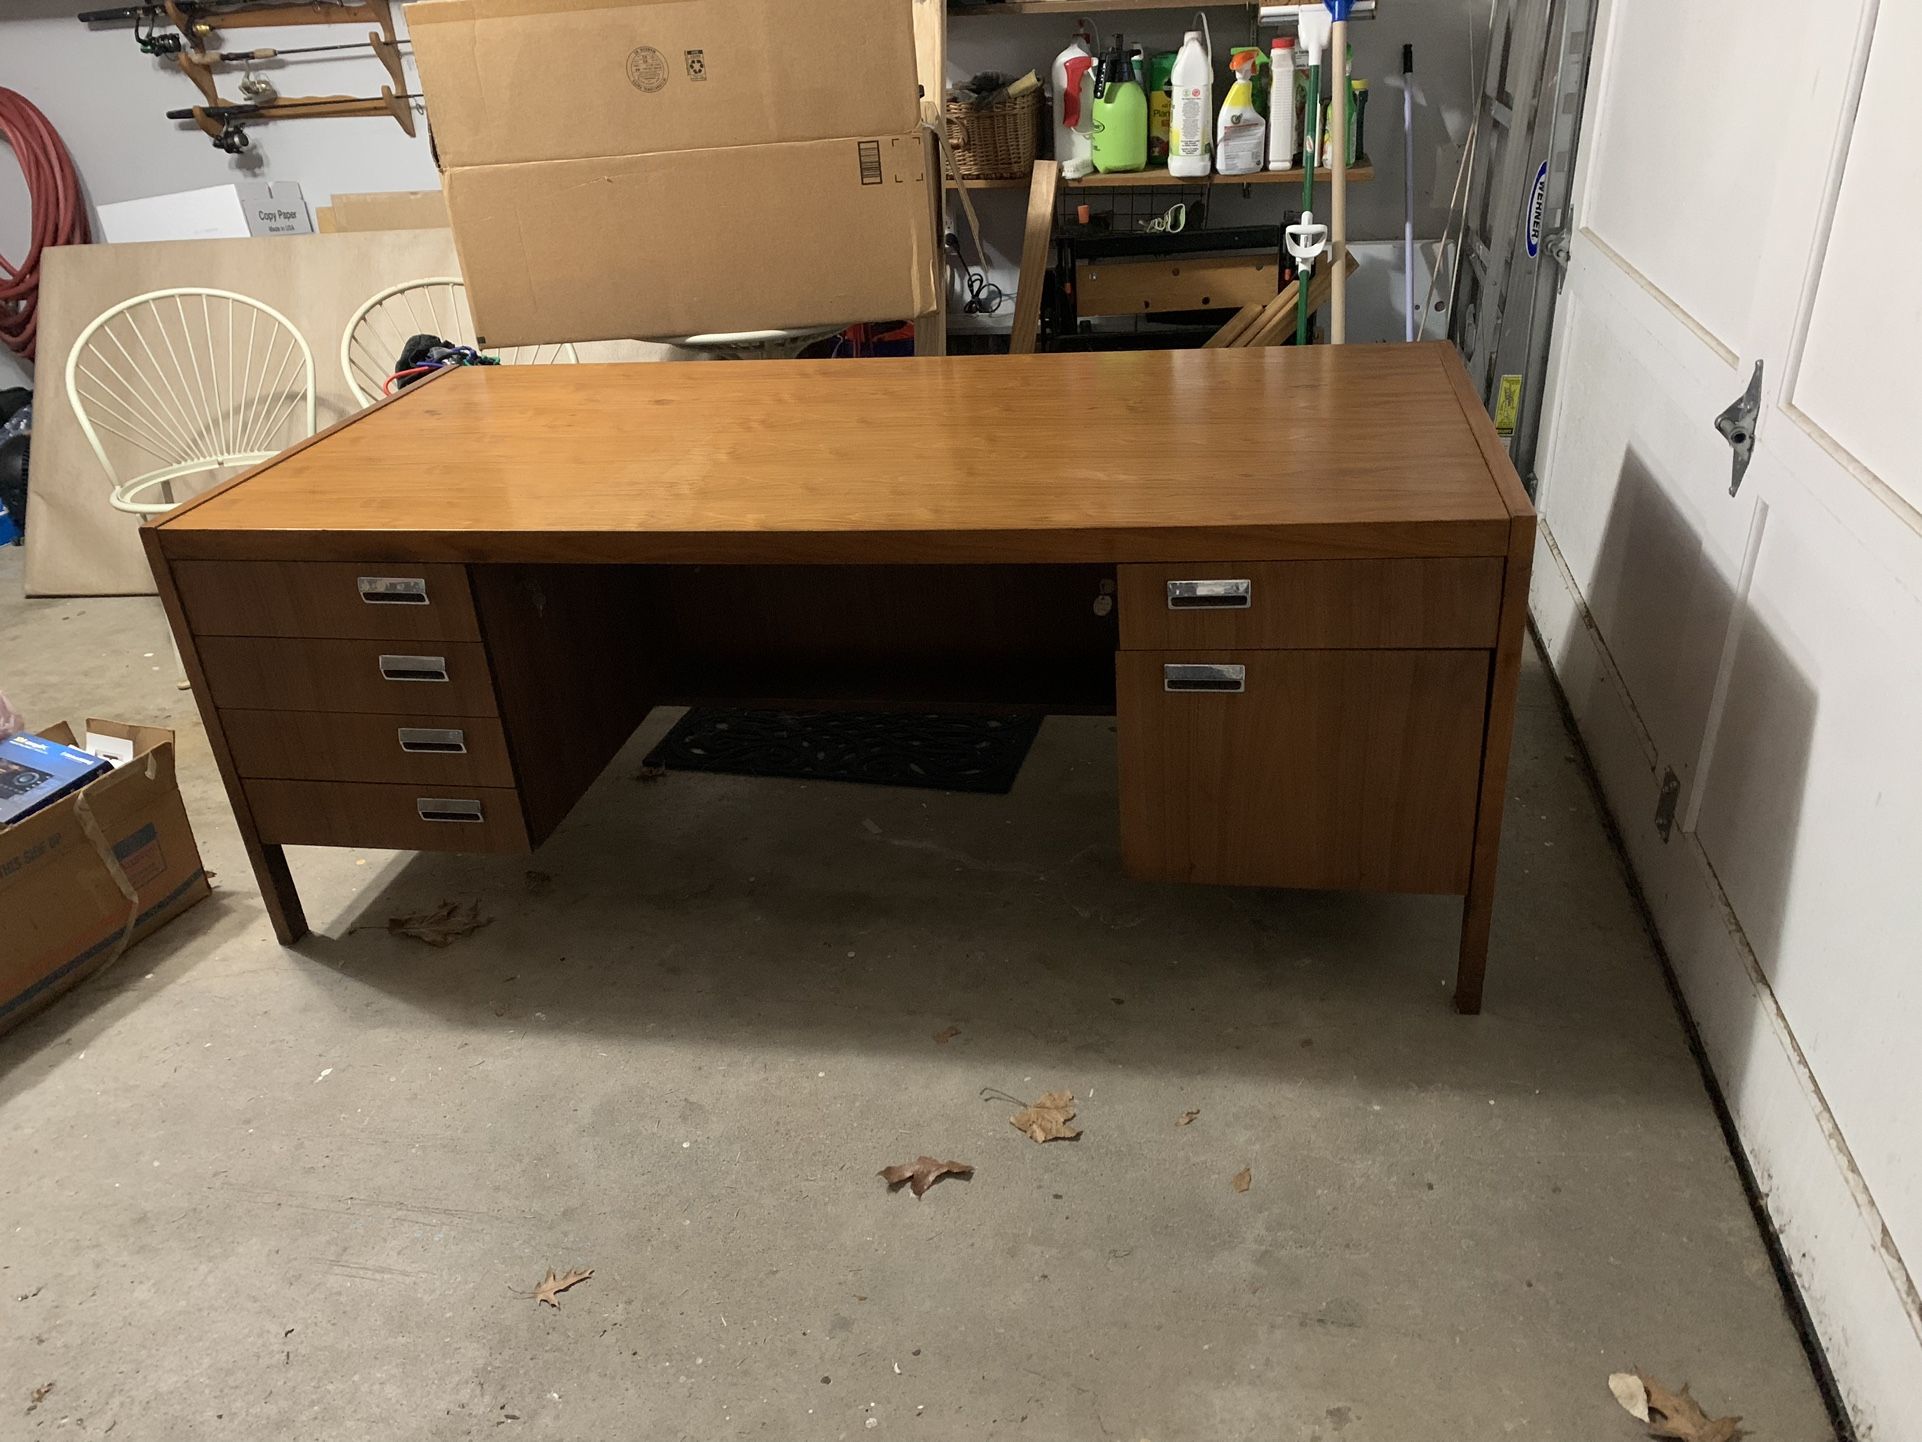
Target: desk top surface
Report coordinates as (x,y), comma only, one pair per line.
(1147,455)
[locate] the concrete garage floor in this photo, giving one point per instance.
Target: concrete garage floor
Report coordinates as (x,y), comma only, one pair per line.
(255,1193)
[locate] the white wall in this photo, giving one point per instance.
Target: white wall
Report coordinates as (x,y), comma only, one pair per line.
(108,102)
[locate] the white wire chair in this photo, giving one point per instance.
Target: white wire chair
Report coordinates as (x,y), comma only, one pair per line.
(371,345)
(199,380)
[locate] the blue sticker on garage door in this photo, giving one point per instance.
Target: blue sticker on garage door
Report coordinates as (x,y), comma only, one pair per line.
(1537,202)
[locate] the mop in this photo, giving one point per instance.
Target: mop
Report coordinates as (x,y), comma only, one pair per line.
(1408,186)
(1307,239)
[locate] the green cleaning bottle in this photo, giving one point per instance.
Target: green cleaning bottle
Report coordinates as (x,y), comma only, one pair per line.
(1120,114)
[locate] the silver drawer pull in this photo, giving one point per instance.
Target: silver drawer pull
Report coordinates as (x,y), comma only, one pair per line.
(414,668)
(447,808)
(432,741)
(393,590)
(1210,595)
(1204,678)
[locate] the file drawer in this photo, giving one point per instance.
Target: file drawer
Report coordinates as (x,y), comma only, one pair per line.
(254,673)
(378,600)
(387,817)
(329,746)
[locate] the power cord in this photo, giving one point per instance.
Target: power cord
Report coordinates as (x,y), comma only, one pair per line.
(984,296)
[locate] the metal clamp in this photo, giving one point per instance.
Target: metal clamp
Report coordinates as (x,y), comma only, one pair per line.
(1195,677)
(433,741)
(1210,595)
(413,668)
(448,808)
(393,590)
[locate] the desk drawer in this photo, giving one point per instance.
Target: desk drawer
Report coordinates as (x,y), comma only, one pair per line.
(390,818)
(380,600)
(253,673)
(436,751)
(1316,769)
(1311,604)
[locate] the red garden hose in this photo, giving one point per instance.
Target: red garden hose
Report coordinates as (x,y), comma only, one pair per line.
(59,217)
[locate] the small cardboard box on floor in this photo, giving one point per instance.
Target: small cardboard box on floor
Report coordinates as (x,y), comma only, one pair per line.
(649,168)
(85,877)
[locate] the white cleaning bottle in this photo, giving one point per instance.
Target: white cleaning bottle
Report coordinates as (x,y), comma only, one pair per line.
(1074,107)
(1281,103)
(1241,135)
(1193,81)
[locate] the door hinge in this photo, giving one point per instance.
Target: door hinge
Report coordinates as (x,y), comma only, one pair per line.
(1737,425)
(1665,803)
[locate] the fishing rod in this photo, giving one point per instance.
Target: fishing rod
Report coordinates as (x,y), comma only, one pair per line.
(274,12)
(177,45)
(225,125)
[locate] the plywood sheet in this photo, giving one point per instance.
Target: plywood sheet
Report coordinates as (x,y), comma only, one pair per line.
(77,544)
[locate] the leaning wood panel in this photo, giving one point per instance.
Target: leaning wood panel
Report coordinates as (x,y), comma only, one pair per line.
(1400,603)
(258,673)
(1196,282)
(1037,245)
(327,599)
(1329,770)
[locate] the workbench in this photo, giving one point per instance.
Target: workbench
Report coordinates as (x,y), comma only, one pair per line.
(1297,579)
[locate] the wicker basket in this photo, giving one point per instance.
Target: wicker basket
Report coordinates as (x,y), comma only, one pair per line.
(997,142)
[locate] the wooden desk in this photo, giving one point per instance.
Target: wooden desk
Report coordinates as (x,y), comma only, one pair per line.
(1297,578)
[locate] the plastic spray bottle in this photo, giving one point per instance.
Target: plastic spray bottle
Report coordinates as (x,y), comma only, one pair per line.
(1074,106)
(1194,76)
(1120,114)
(1241,135)
(1281,104)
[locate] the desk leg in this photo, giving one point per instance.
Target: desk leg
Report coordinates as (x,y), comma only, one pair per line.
(271,873)
(1478,909)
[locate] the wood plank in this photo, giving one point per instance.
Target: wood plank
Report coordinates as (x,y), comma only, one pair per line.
(1277,326)
(1331,770)
(1157,178)
(930,66)
(322,598)
(1320,604)
(1235,326)
(278,894)
(803,461)
(1196,282)
(1037,245)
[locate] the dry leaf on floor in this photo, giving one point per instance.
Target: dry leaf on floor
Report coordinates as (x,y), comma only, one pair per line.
(1630,1392)
(549,1290)
(1188,1116)
(1046,1118)
(40,1395)
(1244,1179)
(539,883)
(923,1172)
(1679,1417)
(445,923)
(650,772)
(946,1035)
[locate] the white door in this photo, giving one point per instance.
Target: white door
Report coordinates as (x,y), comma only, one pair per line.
(1750,189)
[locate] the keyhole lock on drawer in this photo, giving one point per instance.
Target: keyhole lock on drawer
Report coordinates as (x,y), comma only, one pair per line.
(1210,595)
(1197,677)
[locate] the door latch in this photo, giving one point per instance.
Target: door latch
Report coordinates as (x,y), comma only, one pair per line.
(1737,425)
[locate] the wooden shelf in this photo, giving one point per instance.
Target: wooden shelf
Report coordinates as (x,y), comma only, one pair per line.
(1360,172)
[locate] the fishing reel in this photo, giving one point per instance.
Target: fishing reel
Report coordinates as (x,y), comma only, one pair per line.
(233,138)
(164,43)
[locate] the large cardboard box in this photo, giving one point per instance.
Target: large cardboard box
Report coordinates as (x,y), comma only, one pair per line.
(658,168)
(85,878)
(759,237)
(509,81)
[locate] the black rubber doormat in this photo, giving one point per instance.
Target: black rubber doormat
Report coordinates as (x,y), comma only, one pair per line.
(979,753)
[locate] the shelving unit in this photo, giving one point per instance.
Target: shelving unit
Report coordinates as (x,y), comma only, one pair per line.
(1361,171)
(1072,7)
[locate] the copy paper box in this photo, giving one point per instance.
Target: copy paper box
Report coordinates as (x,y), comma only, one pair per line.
(759,237)
(231,212)
(512,81)
(85,878)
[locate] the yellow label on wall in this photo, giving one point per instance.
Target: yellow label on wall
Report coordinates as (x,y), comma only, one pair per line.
(1508,405)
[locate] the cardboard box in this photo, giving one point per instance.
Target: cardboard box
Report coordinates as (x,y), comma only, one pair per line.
(383,210)
(755,238)
(87,877)
(513,81)
(622,169)
(36,771)
(220,212)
